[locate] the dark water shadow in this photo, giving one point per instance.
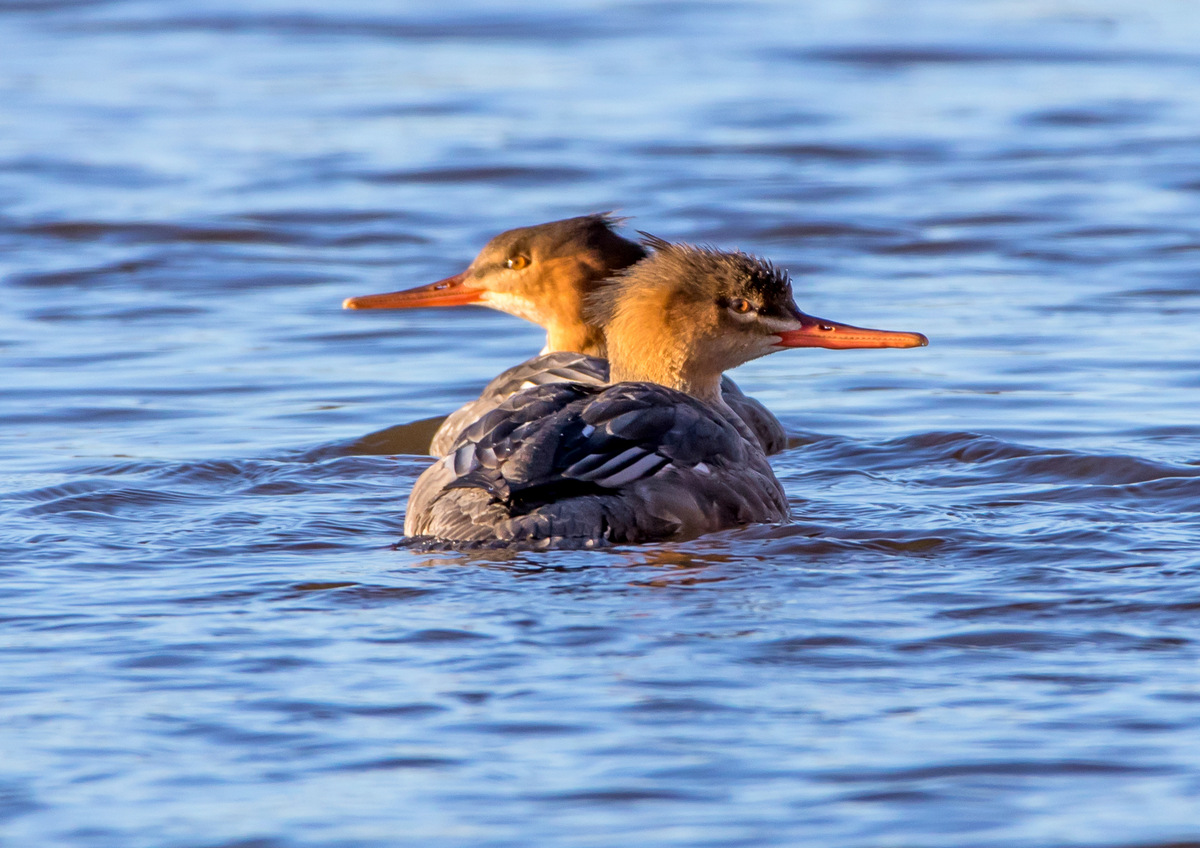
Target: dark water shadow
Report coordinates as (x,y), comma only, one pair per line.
(411,439)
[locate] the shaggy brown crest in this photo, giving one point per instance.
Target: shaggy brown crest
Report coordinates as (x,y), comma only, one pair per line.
(657,454)
(539,273)
(692,273)
(543,273)
(685,314)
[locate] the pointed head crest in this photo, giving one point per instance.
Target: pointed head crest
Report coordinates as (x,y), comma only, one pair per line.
(678,273)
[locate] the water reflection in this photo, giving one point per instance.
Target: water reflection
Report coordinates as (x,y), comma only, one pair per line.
(979,625)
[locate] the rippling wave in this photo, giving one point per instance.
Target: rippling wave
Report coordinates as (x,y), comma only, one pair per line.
(977,628)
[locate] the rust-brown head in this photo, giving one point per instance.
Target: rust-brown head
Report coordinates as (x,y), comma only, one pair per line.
(541,273)
(686,314)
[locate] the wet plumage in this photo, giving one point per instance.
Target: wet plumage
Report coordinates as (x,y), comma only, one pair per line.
(545,274)
(573,465)
(566,366)
(658,454)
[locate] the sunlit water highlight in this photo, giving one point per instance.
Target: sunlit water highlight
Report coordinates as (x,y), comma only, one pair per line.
(979,629)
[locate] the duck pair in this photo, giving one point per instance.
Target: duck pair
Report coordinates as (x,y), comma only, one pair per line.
(625,428)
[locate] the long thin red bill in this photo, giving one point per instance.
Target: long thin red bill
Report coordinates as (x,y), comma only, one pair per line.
(447,292)
(817,332)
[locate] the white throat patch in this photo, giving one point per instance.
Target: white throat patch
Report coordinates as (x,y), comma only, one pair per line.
(513,304)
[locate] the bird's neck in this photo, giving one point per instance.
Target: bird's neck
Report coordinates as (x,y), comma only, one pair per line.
(653,337)
(574,336)
(658,363)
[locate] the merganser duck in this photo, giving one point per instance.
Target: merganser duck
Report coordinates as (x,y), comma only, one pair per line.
(544,274)
(657,454)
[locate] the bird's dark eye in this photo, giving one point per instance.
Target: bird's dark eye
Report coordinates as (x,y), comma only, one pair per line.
(517,262)
(740,305)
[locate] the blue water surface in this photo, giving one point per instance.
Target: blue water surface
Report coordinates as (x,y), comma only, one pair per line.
(980,629)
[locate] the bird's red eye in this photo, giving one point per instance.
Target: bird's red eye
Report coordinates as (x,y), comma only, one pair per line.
(740,305)
(518,262)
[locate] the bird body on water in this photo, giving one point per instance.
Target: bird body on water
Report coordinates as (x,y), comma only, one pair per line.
(545,274)
(657,454)
(567,366)
(572,465)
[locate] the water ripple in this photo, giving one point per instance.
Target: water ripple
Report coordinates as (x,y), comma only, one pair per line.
(977,628)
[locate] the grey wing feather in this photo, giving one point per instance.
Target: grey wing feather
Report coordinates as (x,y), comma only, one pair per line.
(566,366)
(568,465)
(765,427)
(558,367)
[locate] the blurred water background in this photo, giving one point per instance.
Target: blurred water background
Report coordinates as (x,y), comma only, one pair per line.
(980,629)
